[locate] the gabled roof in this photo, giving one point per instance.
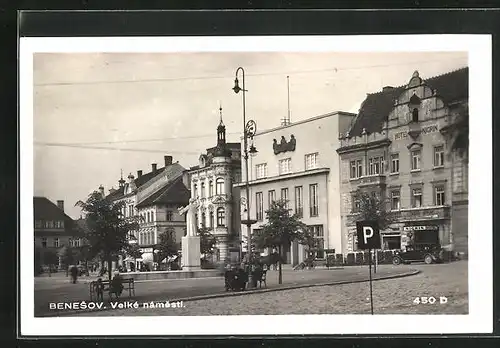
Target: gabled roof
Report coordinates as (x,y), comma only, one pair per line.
(44,209)
(141,181)
(375,110)
(175,192)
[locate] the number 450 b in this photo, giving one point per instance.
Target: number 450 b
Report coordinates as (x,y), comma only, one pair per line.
(430,300)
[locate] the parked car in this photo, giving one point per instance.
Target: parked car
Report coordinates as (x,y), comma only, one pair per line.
(426,253)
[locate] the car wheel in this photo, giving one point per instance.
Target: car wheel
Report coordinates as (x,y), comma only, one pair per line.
(396,261)
(428,259)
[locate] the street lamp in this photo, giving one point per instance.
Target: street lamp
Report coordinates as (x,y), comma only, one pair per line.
(249,130)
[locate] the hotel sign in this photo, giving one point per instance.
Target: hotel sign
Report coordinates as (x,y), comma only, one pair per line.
(425,130)
(421,228)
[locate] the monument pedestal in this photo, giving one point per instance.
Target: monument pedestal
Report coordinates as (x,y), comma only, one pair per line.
(191,253)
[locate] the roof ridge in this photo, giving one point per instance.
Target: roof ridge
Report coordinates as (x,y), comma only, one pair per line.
(446,73)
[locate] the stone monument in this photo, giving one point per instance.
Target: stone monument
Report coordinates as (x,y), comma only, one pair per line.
(191,242)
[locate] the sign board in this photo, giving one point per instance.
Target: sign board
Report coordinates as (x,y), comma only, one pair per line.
(368,234)
(421,228)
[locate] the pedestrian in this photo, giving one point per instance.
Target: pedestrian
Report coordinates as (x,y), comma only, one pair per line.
(74,273)
(117,284)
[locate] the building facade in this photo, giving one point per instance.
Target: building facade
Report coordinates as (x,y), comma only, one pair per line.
(53,229)
(396,149)
(155,197)
(212,186)
(297,162)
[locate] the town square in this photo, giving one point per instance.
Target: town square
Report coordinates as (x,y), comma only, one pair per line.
(250,183)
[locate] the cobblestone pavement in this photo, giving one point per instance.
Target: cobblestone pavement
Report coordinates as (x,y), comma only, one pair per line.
(392,296)
(47,291)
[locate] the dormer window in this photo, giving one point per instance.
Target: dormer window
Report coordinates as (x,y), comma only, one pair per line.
(414,115)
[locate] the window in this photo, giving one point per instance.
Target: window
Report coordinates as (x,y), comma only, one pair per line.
(439,156)
(271,197)
(318,234)
(311,161)
(415,159)
(211,216)
(439,194)
(356,169)
(359,164)
(219,186)
(299,207)
(375,165)
(221,217)
(38,224)
(170,215)
(395,163)
(56,242)
(131,210)
(195,191)
(416,198)
(284,195)
(261,170)
(259,201)
(49,224)
(44,242)
(70,242)
(356,205)
(313,200)
(210,188)
(395,200)
(77,242)
(414,115)
(352,170)
(203,220)
(202,188)
(285,166)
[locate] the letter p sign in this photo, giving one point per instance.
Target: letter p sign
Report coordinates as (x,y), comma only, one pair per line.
(368,235)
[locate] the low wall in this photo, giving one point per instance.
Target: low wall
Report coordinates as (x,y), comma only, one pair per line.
(204,273)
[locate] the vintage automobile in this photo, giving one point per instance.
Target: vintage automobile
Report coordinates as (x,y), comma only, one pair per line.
(426,253)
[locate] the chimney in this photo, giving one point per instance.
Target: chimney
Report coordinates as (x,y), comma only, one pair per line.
(168,160)
(153,167)
(139,173)
(60,205)
(387,88)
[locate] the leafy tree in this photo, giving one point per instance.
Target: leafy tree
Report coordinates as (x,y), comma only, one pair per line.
(67,255)
(108,229)
(167,247)
(457,132)
(281,229)
(207,242)
(371,207)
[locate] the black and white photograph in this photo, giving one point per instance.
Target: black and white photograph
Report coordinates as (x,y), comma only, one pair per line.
(222,185)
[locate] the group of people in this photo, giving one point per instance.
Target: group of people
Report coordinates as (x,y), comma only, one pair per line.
(115,286)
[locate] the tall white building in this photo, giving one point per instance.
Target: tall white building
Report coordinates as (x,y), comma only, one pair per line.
(298,162)
(211,183)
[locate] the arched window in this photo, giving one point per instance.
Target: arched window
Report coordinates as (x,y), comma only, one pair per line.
(210,188)
(414,115)
(221,217)
(219,186)
(211,219)
(203,220)
(202,194)
(152,216)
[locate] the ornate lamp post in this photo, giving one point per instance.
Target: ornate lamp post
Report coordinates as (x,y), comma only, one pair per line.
(249,130)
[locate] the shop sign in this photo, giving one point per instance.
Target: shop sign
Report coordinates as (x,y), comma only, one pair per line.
(421,228)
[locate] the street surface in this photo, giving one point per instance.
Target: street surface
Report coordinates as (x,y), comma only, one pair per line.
(60,290)
(393,296)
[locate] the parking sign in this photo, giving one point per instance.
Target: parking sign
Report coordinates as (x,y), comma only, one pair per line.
(368,235)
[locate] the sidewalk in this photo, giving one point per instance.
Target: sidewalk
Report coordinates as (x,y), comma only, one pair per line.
(201,287)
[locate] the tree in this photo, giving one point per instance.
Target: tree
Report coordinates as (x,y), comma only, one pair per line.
(371,207)
(108,229)
(457,132)
(67,256)
(281,229)
(207,242)
(167,247)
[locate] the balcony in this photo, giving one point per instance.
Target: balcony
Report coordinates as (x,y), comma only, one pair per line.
(369,180)
(423,214)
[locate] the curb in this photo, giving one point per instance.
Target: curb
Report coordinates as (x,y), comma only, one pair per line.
(292,287)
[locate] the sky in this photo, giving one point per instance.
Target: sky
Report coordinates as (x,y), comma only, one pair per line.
(97,114)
